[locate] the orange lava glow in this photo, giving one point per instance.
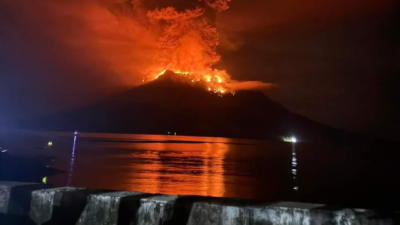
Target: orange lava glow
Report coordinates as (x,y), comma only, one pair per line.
(187,45)
(215,83)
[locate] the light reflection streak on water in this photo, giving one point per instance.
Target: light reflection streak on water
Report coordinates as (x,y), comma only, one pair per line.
(71,164)
(168,165)
(294,168)
(199,169)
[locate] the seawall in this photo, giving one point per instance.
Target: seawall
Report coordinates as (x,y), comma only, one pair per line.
(28,203)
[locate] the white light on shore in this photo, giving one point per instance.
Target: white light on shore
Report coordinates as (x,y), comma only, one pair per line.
(289,139)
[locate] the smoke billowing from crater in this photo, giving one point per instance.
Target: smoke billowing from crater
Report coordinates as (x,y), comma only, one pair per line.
(126,41)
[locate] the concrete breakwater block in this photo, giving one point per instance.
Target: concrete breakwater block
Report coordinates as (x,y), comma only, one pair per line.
(157,210)
(59,205)
(215,214)
(210,214)
(110,208)
(15,196)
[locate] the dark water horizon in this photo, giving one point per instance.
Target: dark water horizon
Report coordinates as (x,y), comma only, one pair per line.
(353,175)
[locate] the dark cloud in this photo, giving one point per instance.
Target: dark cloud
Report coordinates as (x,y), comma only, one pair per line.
(61,54)
(335,62)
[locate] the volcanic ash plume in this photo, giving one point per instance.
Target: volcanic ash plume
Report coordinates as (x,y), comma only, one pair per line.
(130,41)
(188,44)
(219,5)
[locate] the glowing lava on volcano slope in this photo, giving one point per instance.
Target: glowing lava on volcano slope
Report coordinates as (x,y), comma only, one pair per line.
(214,83)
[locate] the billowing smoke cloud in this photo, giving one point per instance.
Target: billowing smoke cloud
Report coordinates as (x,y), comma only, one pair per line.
(112,39)
(188,44)
(219,5)
(69,48)
(116,34)
(188,40)
(65,54)
(131,39)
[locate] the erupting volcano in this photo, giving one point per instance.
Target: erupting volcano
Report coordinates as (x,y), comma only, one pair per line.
(131,42)
(214,84)
(187,44)
(181,91)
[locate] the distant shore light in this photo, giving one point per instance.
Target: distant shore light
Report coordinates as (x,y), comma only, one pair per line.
(289,139)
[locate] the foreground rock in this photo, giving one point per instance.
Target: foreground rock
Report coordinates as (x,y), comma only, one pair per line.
(59,205)
(15,197)
(70,206)
(110,208)
(281,214)
(156,210)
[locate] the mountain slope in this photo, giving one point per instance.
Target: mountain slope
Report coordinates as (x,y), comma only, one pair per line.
(172,104)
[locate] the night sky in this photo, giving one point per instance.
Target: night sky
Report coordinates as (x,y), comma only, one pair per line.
(335,62)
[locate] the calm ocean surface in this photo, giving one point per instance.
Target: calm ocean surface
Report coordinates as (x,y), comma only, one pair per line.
(217,167)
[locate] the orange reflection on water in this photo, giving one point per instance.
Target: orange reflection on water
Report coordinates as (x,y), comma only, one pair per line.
(186,169)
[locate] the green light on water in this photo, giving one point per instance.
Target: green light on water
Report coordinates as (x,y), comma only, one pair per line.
(44,180)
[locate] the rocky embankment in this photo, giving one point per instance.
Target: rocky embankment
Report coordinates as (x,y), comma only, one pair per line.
(29,203)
